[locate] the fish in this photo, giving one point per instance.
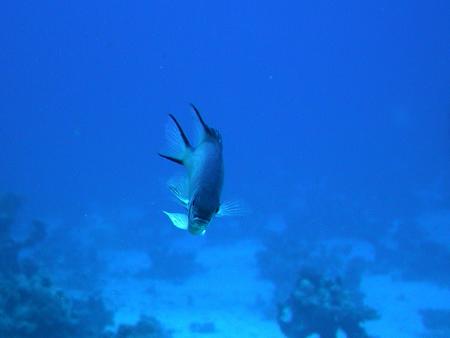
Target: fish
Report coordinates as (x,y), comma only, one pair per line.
(201,188)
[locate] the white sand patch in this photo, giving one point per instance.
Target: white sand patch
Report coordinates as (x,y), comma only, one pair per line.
(228,294)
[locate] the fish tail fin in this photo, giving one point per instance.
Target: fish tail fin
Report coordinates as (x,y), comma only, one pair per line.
(177,143)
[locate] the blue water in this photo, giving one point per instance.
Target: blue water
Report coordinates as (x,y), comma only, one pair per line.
(330,111)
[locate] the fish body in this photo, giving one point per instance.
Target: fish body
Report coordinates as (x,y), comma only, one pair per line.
(201,192)
(205,174)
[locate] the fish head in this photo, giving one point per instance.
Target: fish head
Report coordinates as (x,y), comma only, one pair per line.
(198,226)
(201,211)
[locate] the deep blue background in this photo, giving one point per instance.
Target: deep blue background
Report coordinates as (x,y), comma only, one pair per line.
(352,93)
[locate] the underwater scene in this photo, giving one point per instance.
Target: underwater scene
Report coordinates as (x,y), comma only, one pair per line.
(225,169)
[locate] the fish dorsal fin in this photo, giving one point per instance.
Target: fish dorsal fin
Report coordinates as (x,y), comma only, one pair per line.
(179,220)
(179,187)
(182,134)
(206,130)
(232,208)
(202,122)
(178,143)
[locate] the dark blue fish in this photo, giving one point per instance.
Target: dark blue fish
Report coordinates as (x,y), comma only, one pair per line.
(201,191)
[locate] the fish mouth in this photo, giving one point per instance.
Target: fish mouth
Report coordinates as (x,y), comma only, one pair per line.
(198,226)
(200,222)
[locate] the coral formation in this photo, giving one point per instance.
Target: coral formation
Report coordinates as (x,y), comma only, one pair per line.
(412,253)
(146,327)
(283,256)
(437,323)
(29,304)
(323,305)
(10,248)
(31,307)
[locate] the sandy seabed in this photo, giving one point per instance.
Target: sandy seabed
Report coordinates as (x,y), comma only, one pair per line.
(229,294)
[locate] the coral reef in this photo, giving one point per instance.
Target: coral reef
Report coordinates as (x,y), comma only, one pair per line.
(411,252)
(284,255)
(29,304)
(437,323)
(71,255)
(10,249)
(323,305)
(146,327)
(74,265)
(31,307)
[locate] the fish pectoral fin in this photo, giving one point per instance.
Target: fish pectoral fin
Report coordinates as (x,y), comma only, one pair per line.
(184,201)
(232,208)
(180,189)
(179,220)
